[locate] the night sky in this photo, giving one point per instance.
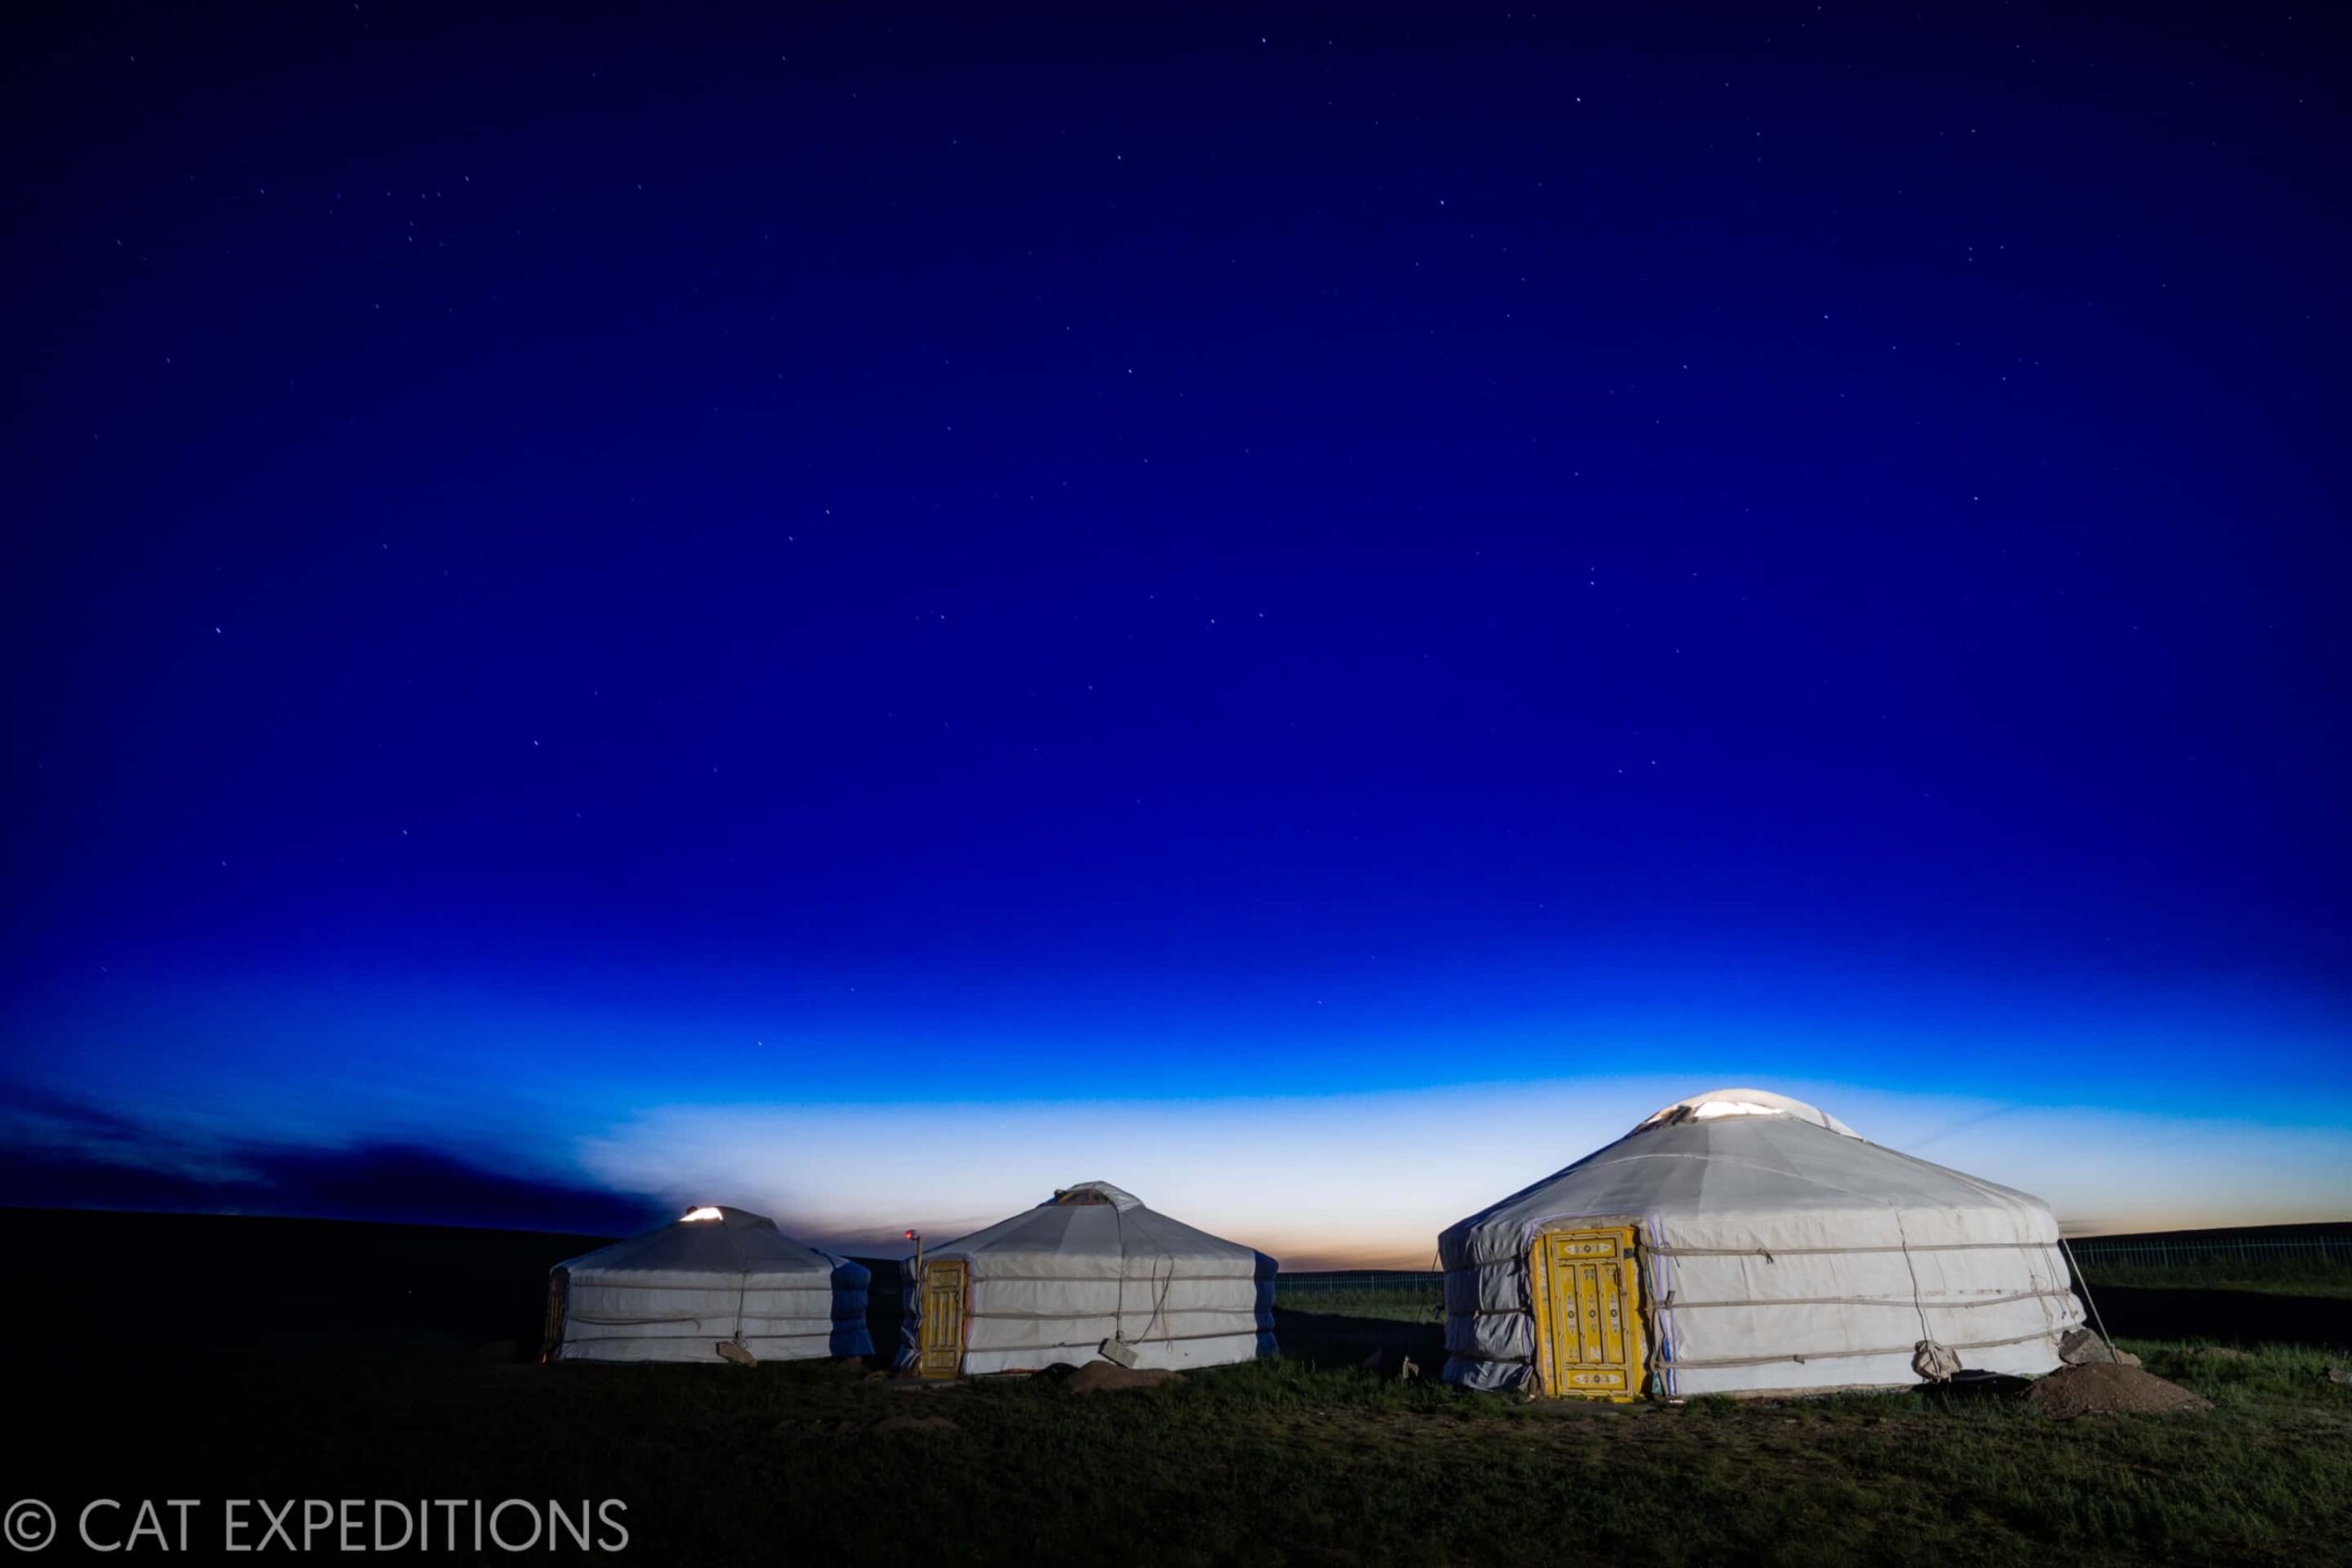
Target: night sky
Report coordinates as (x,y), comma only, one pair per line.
(868,614)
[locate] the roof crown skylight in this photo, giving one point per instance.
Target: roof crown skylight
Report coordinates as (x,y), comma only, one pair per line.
(1719,1104)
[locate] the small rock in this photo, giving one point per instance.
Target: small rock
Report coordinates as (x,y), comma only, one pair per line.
(2339,1374)
(1935,1362)
(730,1352)
(2219,1353)
(2081,1347)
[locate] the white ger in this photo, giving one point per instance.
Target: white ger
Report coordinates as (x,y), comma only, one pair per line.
(718,1284)
(1740,1242)
(1090,1274)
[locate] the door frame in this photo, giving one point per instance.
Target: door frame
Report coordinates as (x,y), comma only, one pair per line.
(1612,1252)
(559,1310)
(946,1283)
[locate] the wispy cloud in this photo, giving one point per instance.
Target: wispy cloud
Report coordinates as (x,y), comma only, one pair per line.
(58,1153)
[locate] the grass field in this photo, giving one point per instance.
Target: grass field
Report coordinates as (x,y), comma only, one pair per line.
(321,1361)
(2285,1277)
(1402,1304)
(1287,1461)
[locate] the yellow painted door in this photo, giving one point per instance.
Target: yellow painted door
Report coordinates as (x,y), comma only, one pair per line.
(1588,1313)
(943,1318)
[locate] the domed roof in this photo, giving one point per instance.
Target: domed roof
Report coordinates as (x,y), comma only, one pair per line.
(713,1240)
(1089,1228)
(1093,1192)
(1736,1163)
(1720,1102)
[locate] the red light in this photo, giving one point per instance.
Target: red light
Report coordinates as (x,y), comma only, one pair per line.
(911,1236)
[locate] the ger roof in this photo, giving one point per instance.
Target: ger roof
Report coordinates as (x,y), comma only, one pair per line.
(1089,1229)
(718,1241)
(1742,1154)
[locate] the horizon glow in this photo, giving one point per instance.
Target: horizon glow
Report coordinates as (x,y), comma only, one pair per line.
(1360,1178)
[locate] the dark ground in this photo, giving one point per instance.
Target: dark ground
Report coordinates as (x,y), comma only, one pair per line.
(215,1359)
(2233,1317)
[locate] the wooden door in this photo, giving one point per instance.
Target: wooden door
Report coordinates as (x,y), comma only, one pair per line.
(1588,1313)
(944,1285)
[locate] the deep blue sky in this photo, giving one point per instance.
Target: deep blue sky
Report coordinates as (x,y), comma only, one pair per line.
(583,562)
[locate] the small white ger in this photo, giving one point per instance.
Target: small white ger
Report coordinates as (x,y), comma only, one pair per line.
(716,1284)
(1089,1274)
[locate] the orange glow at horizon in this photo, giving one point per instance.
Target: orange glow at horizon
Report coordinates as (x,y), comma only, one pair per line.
(1367,1181)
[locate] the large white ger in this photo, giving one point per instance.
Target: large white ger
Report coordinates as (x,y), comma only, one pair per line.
(1740,1242)
(717,1277)
(1090,1274)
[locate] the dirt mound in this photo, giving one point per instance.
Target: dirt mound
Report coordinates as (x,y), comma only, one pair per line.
(1105,1377)
(2105,1387)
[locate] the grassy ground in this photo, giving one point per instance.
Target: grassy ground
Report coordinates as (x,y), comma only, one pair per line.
(2285,1277)
(1403,1306)
(245,1391)
(1300,1460)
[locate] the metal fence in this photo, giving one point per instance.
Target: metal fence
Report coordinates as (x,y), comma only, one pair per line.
(2143,1252)
(1387,1280)
(2090,1252)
